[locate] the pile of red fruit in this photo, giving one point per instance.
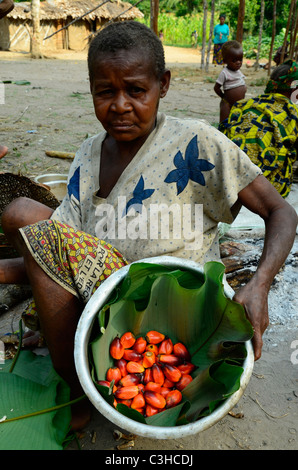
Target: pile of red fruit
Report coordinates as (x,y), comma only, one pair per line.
(149,372)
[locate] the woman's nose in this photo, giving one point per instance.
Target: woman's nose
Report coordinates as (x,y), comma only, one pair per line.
(121,103)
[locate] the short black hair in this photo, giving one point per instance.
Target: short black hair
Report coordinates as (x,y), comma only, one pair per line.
(128,35)
(227,46)
(280,70)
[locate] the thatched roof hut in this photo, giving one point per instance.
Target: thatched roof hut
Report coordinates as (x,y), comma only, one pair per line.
(15,29)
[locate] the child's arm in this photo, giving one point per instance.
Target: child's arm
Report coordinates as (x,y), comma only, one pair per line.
(218,90)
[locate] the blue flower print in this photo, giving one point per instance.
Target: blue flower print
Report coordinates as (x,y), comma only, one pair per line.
(139,194)
(189,168)
(73,187)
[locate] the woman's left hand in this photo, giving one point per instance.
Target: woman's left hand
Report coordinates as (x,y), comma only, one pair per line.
(255,302)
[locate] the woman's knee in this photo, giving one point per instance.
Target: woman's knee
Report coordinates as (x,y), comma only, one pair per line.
(21,212)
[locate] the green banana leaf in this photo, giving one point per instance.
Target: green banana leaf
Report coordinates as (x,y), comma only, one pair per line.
(32,386)
(187,307)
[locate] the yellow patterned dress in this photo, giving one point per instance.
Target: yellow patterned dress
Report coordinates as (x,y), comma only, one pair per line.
(266,129)
(76,260)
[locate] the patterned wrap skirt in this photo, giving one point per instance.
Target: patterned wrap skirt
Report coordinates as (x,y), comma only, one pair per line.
(74,259)
(217,54)
(266,129)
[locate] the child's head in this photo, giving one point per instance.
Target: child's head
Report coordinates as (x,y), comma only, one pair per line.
(232,54)
(128,35)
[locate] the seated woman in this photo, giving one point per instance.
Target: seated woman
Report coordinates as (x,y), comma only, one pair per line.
(266,127)
(140,161)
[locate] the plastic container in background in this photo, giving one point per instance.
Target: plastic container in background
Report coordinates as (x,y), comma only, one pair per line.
(85,325)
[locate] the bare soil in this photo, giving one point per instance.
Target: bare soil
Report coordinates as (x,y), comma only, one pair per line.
(52,111)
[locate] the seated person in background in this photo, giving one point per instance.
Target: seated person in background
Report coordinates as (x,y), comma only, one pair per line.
(230,79)
(266,127)
(141,159)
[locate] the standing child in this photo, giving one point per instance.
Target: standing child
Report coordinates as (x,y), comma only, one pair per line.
(231,79)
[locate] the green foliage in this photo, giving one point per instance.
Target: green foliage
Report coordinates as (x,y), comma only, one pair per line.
(178,30)
(250,45)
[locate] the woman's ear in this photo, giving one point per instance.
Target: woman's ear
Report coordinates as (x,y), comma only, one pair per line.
(165,83)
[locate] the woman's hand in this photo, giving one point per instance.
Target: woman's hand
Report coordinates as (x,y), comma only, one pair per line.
(254,299)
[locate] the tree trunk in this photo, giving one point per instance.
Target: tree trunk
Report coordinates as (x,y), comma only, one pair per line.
(35,38)
(205,7)
(284,46)
(210,34)
(273,36)
(241,15)
(294,35)
(154,8)
(260,33)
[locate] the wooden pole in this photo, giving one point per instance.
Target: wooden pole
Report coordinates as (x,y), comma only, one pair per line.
(273,36)
(241,16)
(287,31)
(154,9)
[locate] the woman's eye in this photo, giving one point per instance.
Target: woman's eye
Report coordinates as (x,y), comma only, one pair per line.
(136,90)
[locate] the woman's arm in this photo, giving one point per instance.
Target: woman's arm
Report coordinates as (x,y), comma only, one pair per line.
(280,222)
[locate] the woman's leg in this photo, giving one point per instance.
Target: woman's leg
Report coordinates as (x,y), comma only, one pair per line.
(19,213)
(58,313)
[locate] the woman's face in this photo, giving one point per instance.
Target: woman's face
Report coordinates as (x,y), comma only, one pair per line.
(126,94)
(222,20)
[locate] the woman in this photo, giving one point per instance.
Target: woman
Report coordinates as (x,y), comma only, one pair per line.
(266,127)
(221,33)
(142,159)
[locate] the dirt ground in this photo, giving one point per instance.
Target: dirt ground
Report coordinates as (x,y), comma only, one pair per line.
(52,111)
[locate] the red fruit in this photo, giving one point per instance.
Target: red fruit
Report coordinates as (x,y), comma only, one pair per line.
(148,359)
(164,391)
(121,364)
(172,372)
(153,348)
(154,337)
(138,401)
(169,359)
(150,410)
(129,379)
(184,381)
(126,402)
(166,347)
(168,383)
(154,399)
(134,367)
(131,355)
(113,373)
(173,398)
(186,368)
(181,351)
(157,374)
(153,386)
(125,393)
(105,383)
(148,376)
(116,348)
(140,345)
(128,340)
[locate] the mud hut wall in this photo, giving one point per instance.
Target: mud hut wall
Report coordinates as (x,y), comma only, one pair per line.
(78,34)
(15,35)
